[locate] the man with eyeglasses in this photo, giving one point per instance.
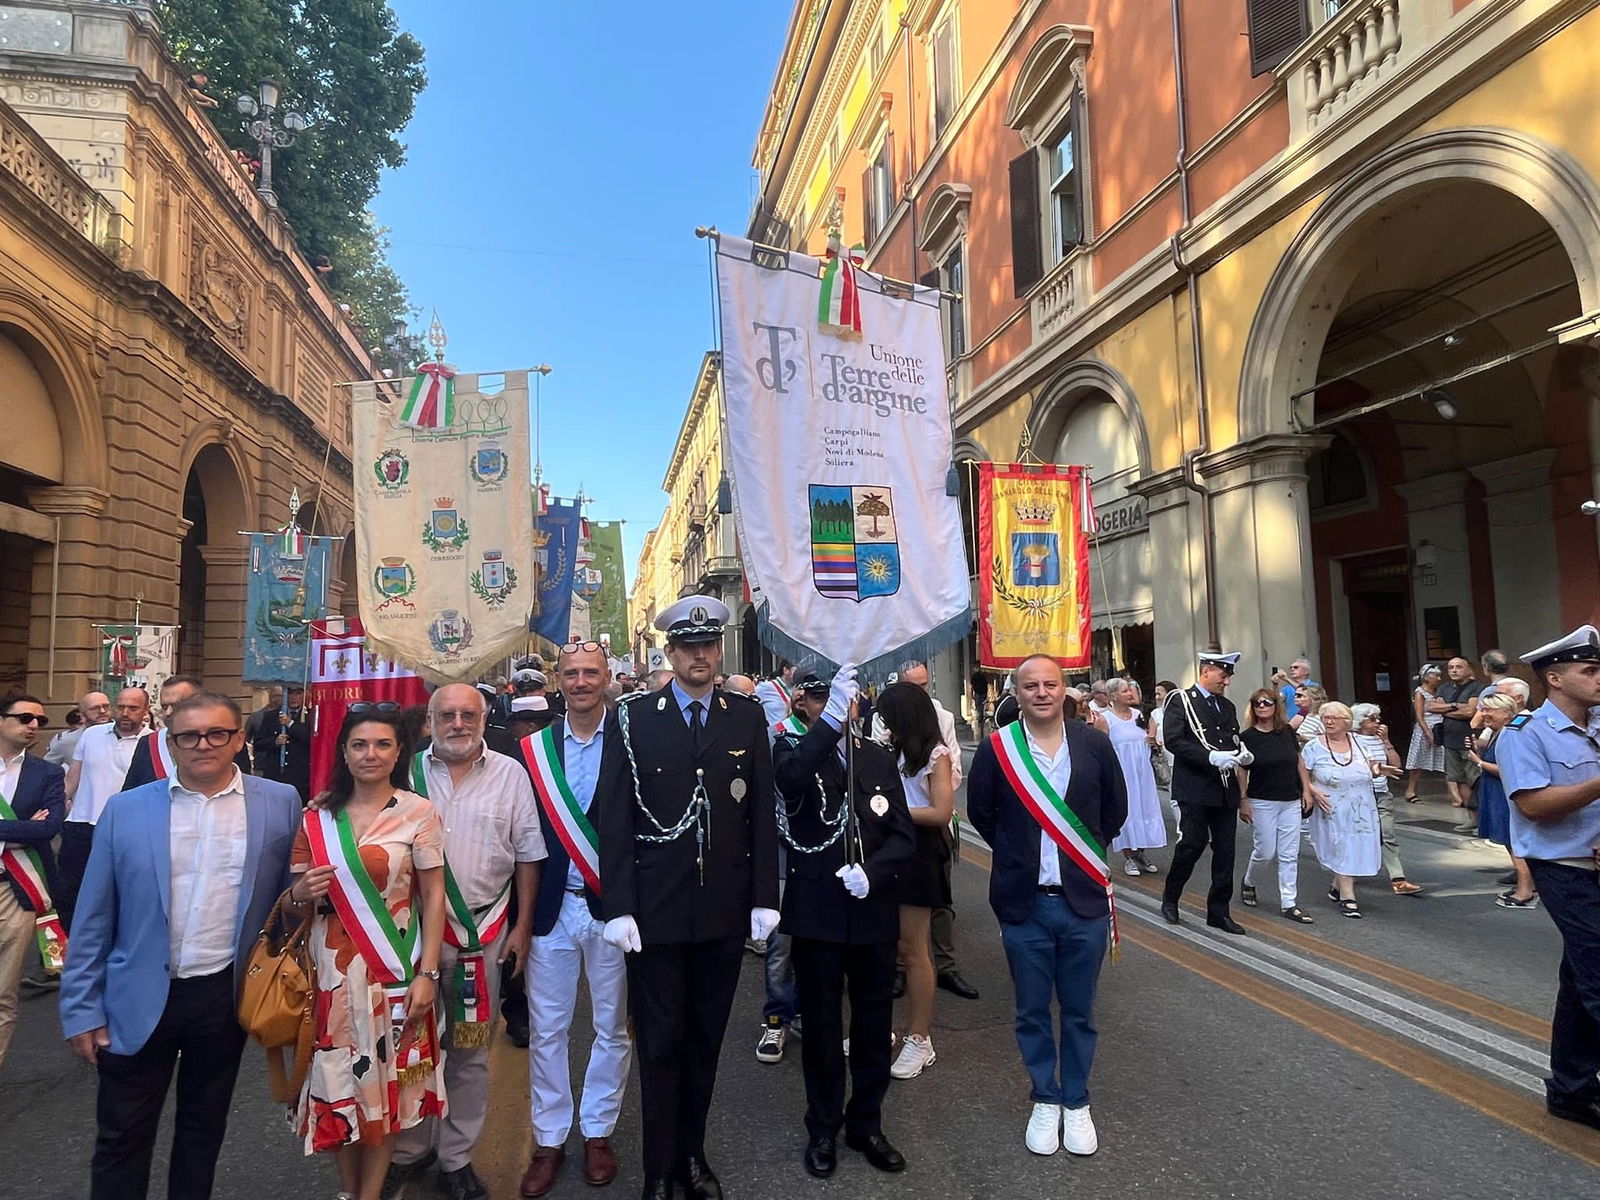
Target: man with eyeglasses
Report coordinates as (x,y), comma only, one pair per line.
(99,766)
(32,803)
(183,875)
(493,845)
(152,758)
(95,709)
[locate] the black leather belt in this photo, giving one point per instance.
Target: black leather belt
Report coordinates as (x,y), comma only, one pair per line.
(576,891)
(1054,890)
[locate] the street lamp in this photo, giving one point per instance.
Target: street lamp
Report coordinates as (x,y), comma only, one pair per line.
(258,112)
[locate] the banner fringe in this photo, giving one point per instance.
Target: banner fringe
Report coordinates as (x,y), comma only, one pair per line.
(511,643)
(875,670)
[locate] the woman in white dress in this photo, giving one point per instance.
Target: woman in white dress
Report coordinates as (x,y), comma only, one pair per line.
(1132,735)
(1425,754)
(1337,776)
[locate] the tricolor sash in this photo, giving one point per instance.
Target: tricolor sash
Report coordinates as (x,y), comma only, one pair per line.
(790,724)
(390,954)
(1064,827)
(561,807)
(161,756)
(27,868)
(472,1016)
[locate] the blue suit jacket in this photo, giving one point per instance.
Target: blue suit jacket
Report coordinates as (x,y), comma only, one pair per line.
(553,871)
(119,952)
(40,788)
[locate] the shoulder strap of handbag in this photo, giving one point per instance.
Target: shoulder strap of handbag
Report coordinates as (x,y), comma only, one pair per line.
(1050,809)
(24,864)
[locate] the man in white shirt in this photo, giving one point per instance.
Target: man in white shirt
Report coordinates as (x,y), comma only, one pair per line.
(492,842)
(99,765)
(94,709)
(777,694)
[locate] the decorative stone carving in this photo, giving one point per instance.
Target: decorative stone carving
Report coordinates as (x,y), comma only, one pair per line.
(218,291)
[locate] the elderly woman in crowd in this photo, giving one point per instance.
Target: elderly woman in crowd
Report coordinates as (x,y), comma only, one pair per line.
(1495,712)
(1307,723)
(1132,737)
(1373,737)
(1425,752)
(1336,776)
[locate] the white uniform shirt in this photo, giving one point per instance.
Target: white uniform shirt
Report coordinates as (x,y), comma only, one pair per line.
(106,758)
(491,822)
(207,843)
(1056,768)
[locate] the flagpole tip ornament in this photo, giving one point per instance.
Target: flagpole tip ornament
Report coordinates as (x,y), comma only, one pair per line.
(437,338)
(694,619)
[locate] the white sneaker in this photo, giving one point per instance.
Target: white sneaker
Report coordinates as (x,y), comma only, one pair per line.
(1129,867)
(916,1054)
(1044,1129)
(1079,1136)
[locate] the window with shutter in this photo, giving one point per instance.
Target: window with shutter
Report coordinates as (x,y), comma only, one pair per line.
(877,190)
(943,53)
(1276,27)
(1027,248)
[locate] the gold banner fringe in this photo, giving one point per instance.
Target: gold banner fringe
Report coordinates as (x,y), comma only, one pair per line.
(416,1073)
(470,1035)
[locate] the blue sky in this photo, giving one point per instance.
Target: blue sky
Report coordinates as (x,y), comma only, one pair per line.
(559,161)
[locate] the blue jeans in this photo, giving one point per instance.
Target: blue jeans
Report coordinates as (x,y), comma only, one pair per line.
(1572,898)
(781,1001)
(1056,954)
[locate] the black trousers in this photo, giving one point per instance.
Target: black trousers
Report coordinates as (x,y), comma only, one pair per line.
(199,1035)
(1197,825)
(821,972)
(1572,898)
(680,996)
(77,838)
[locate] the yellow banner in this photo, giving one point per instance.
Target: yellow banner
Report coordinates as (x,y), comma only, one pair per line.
(1033,564)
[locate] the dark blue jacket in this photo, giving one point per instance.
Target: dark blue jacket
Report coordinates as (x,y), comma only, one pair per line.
(1096,792)
(553,871)
(40,788)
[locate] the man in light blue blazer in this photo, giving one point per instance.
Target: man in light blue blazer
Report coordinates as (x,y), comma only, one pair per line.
(183,874)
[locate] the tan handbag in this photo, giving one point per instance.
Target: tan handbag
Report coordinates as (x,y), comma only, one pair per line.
(275,998)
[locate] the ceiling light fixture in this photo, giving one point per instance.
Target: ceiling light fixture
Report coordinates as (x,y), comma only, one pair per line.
(1443,403)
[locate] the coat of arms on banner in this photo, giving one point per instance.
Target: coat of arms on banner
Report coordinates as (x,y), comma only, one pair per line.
(854,552)
(395,580)
(495,579)
(445,530)
(392,469)
(490,465)
(450,633)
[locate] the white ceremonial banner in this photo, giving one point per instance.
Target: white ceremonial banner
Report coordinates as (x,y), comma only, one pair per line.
(839,446)
(444,526)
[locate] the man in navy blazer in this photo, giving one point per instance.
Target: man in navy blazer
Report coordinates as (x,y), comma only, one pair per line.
(1054,918)
(183,874)
(36,795)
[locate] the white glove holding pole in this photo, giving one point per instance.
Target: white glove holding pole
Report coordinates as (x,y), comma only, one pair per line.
(623,933)
(762,922)
(855,880)
(841,695)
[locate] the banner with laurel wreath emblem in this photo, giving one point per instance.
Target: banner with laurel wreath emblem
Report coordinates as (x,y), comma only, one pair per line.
(1033,564)
(444,526)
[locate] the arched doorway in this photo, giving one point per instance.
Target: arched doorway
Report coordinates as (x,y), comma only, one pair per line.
(30,456)
(211,569)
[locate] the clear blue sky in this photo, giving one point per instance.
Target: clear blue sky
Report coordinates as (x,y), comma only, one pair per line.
(559,161)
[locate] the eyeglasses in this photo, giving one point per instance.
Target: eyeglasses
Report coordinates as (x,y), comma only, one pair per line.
(190,739)
(366,706)
(38,719)
(1266,704)
(586,647)
(465,717)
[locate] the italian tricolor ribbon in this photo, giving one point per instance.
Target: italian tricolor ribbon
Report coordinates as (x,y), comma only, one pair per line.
(1064,827)
(161,756)
(27,868)
(390,954)
(790,724)
(840,302)
(431,403)
(561,806)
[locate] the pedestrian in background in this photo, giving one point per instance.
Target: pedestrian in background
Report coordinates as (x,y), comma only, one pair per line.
(1372,735)
(1457,701)
(1306,721)
(61,746)
(1336,775)
(1425,753)
(1494,810)
(100,764)
(1274,802)
(1132,738)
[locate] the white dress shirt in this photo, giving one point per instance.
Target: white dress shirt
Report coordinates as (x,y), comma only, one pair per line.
(491,822)
(106,758)
(581,765)
(11,774)
(1057,768)
(207,844)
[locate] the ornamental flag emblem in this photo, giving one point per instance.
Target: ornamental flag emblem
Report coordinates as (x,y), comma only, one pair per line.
(445,529)
(489,464)
(450,633)
(392,469)
(394,580)
(1036,559)
(494,580)
(855,554)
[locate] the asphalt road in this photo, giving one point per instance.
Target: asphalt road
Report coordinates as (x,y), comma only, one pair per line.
(1397,1056)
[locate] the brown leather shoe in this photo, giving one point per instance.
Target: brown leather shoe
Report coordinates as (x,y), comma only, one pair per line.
(541,1173)
(599,1161)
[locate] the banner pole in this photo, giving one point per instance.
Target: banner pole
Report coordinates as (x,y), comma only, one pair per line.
(715,234)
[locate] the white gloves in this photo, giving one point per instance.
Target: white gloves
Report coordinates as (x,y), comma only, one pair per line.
(842,695)
(855,880)
(762,922)
(623,933)
(1223,760)
(1243,757)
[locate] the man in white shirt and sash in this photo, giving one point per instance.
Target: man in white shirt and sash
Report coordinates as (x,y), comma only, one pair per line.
(1048,796)
(777,695)
(563,760)
(492,842)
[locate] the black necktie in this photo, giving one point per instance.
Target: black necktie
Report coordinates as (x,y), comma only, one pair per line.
(695,709)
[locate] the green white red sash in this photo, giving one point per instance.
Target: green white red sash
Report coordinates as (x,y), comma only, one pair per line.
(560,805)
(27,868)
(389,954)
(161,755)
(431,402)
(790,724)
(1064,827)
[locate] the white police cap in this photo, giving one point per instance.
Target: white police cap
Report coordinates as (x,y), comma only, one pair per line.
(693,619)
(1581,645)
(1211,658)
(530,704)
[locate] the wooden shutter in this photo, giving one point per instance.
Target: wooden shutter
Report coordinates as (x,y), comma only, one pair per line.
(944,83)
(1276,28)
(869,229)
(1027,243)
(891,197)
(1080,172)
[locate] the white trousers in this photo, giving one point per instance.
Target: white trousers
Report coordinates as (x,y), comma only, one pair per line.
(1275,834)
(555,961)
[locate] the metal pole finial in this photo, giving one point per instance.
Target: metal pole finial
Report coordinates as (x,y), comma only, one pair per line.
(437,338)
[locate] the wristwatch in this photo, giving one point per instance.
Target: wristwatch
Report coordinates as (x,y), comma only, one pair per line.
(433,975)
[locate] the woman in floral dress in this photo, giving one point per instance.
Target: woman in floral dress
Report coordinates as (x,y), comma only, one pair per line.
(1336,777)
(357,1096)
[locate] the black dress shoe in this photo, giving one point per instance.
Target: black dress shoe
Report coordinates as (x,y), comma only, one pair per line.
(821,1157)
(878,1151)
(1169,911)
(659,1189)
(1226,924)
(517,1032)
(951,981)
(1584,1112)
(899,983)
(698,1181)
(462,1184)
(399,1174)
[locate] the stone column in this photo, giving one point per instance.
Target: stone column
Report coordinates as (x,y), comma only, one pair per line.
(226,585)
(1179,594)
(1522,548)
(73,587)
(1435,514)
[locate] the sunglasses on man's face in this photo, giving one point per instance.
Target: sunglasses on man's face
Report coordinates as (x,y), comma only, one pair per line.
(38,719)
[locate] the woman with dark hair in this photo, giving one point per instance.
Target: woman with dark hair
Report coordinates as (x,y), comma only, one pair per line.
(924,759)
(376,1067)
(1274,801)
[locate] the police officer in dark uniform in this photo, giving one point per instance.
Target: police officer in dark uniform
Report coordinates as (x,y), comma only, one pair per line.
(689,855)
(1201,732)
(842,909)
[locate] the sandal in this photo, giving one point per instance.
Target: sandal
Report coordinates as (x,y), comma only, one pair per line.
(1404,887)
(1297,916)
(1413,798)
(1247,895)
(1348,908)
(1333,894)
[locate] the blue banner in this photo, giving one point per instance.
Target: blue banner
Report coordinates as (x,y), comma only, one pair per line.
(555,547)
(288,590)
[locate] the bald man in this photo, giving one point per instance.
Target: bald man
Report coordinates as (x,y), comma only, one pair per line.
(99,764)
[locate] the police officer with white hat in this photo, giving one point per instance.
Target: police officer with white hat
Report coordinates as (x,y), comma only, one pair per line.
(1550,764)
